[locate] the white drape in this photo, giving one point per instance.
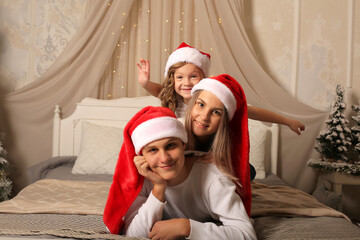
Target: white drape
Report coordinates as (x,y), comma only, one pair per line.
(28,112)
(100,62)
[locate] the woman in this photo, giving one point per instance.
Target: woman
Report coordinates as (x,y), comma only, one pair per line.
(217,122)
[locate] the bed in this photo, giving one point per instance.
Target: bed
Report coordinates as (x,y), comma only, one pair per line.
(68,192)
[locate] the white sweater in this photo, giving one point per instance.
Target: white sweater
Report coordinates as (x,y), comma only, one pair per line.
(206,197)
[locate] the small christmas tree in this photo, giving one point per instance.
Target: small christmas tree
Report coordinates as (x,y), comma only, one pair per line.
(334,142)
(355,132)
(5,183)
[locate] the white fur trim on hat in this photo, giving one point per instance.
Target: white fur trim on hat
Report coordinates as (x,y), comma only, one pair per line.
(221,91)
(155,129)
(189,55)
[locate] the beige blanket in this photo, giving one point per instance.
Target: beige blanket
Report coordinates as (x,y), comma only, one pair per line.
(286,201)
(85,197)
(59,196)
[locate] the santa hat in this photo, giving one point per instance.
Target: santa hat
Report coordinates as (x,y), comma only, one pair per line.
(186,53)
(231,94)
(148,125)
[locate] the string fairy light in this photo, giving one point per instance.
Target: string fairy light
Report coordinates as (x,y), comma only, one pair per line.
(117,64)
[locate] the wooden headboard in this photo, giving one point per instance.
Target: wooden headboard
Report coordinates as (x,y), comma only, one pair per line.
(117,112)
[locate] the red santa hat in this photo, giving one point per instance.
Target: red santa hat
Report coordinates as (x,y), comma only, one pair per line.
(149,124)
(231,94)
(186,53)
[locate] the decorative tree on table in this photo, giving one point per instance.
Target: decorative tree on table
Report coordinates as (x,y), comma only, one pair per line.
(355,133)
(5,183)
(336,142)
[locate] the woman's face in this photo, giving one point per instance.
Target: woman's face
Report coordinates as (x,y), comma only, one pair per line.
(166,158)
(206,114)
(185,78)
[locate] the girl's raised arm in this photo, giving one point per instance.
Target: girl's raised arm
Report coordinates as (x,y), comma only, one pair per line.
(144,78)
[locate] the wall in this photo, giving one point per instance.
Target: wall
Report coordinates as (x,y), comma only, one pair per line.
(33,33)
(308,46)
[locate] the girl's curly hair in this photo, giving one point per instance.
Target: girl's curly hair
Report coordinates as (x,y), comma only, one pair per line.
(168,95)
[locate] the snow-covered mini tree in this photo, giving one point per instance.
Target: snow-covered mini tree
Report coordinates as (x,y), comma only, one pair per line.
(333,142)
(355,132)
(5,183)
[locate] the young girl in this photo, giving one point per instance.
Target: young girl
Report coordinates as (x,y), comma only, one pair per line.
(185,67)
(179,197)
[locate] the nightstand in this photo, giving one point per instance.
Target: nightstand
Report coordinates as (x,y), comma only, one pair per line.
(336,180)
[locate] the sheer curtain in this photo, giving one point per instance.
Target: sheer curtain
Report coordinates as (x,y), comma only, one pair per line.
(154,29)
(222,23)
(28,112)
(100,61)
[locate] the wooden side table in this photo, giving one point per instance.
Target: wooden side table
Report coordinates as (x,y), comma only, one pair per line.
(334,181)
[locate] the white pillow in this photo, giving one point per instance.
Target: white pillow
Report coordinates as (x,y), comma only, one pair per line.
(99,149)
(258,133)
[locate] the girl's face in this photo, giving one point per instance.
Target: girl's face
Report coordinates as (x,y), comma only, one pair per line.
(166,158)
(206,114)
(185,78)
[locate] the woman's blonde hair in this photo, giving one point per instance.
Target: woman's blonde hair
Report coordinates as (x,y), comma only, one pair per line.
(220,143)
(168,95)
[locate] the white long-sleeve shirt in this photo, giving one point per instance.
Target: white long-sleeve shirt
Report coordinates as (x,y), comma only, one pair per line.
(206,197)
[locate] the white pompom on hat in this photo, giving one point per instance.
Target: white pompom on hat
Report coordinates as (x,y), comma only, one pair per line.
(186,53)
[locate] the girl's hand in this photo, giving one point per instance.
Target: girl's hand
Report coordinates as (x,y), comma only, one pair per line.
(143,71)
(159,183)
(170,229)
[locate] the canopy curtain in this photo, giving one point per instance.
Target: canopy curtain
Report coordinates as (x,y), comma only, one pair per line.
(28,112)
(100,61)
(222,23)
(154,29)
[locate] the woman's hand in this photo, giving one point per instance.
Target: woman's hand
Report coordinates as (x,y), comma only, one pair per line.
(159,183)
(170,229)
(295,126)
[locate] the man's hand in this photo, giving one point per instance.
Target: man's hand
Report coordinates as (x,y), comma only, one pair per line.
(170,229)
(159,183)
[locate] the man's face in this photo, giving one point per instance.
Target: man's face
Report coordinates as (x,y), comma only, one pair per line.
(166,158)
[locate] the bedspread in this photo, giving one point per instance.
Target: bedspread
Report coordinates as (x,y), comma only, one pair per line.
(59,196)
(286,201)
